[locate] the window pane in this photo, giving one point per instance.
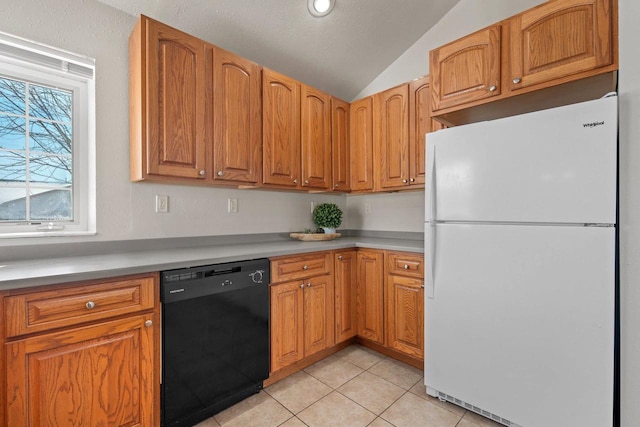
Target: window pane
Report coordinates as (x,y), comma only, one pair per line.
(12,166)
(12,96)
(50,169)
(49,137)
(12,203)
(12,132)
(49,103)
(50,204)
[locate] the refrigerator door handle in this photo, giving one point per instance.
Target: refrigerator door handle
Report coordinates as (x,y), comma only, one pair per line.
(432,185)
(430,276)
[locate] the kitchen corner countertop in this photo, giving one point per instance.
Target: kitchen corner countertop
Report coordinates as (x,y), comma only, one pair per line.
(36,272)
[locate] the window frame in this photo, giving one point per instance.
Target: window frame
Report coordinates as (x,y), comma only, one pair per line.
(83,191)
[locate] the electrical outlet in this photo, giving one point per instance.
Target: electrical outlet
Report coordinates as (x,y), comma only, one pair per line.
(162,204)
(232,205)
(367,208)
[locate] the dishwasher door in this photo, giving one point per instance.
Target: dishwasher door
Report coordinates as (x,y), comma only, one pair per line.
(215,349)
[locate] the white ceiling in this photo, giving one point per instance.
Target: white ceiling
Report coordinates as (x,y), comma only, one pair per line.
(340,53)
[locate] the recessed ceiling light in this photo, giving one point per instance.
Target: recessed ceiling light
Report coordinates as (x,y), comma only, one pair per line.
(320,7)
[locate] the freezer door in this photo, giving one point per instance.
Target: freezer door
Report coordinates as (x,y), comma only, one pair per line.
(522,322)
(556,165)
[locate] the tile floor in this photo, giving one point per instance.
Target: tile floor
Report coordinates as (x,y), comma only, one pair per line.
(355,387)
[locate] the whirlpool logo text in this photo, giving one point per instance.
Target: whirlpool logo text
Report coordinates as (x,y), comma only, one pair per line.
(592,124)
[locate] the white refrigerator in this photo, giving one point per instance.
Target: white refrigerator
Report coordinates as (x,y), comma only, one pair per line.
(520,266)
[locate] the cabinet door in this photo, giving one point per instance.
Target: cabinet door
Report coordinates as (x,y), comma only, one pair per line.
(287,345)
(419,125)
(237,118)
(391,136)
(101,375)
(340,145)
(361,139)
(370,295)
(404,301)
(345,295)
(560,38)
(467,69)
(176,102)
(318,314)
(316,139)
(281,129)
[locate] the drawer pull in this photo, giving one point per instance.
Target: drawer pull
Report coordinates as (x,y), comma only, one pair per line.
(305,267)
(406,267)
(148,323)
(340,257)
(422,286)
(201,173)
(90,305)
(516,80)
(492,88)
(309,285)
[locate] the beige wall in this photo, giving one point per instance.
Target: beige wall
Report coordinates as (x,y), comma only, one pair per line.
(125,210)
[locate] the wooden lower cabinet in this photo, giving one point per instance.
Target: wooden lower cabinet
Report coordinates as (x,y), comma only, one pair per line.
(104,373)
(404,311)
(345,278)
(370,295)
(318,314)
(287,333)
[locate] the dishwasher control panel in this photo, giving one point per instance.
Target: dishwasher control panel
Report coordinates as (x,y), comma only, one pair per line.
(193,282)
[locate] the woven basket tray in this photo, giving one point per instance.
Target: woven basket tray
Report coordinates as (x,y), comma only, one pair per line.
(314,237)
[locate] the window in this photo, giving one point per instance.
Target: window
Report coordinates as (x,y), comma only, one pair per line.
(47,141)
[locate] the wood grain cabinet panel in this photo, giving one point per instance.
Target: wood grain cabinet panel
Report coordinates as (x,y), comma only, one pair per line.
(97,375)
(404,302)
(300,266)
(237,118)
(287,324)
(361,143)
(316,139)
(48,310)
(281,129)
(406,264)
(318,314)
(340,158)
(420,123)
(168,102)
(467,69)
(560,38)
(370,295)
(391,136)
(345,281)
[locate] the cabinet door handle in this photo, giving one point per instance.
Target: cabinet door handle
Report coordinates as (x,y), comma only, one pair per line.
(304,267)
(306,181)
(411,180)
(340,257)
(517,80)
(295,181)
(493,88)
(404,181)
(422,286)
(201,172)
(90,305)
(220,173)
(302,286)
(148,323)
(336,186)
(406,267)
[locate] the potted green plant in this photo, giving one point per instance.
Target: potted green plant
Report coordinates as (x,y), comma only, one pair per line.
(327,216)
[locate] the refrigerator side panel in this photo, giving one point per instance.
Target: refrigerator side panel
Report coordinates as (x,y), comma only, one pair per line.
(556,166)
(522,322)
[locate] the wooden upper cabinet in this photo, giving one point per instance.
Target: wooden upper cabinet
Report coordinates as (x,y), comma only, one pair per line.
(316,138)
(467,69)
(560,38)
(281,129)
(168,89)
(340,145)
(237,118)
(391,136)
(419,125)
(361,144)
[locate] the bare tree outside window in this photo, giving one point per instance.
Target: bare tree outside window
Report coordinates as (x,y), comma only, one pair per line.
(36,152)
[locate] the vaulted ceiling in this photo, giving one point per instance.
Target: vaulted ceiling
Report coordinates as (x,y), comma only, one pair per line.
(340,53)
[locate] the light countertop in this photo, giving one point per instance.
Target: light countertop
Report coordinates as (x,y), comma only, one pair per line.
(36,272)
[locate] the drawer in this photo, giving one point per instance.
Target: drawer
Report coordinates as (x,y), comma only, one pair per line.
(47,310)
(405,264)
(300,266)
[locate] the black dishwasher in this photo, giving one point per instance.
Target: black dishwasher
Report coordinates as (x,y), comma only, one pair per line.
(215,338)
